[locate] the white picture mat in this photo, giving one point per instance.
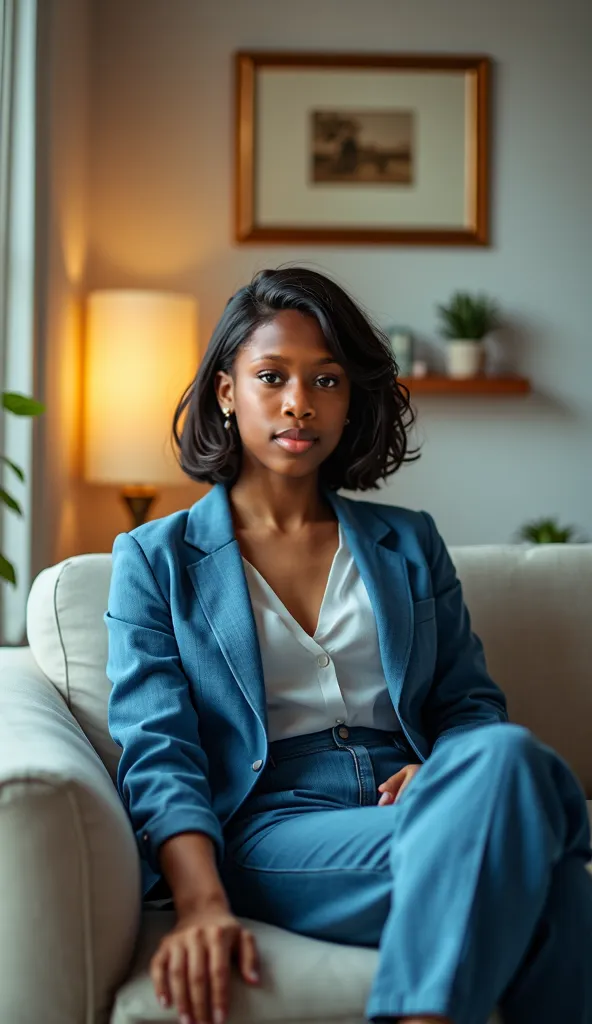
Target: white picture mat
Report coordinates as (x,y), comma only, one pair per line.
(284,192)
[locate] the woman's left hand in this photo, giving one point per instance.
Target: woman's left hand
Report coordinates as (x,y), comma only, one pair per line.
(393,787)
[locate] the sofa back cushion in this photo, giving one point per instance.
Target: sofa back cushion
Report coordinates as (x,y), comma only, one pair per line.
(68,638)
(529,604)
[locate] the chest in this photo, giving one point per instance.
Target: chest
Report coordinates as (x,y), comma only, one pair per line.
(296,569)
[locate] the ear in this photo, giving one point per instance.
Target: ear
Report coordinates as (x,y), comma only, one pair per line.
(224,388)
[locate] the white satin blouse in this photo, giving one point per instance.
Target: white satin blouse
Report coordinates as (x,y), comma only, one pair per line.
(333,678)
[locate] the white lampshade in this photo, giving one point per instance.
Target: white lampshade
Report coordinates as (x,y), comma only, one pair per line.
(141,354)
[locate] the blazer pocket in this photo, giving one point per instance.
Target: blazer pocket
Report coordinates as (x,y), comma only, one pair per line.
(424,610)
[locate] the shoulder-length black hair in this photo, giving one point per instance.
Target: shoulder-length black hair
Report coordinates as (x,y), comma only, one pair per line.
(373,445)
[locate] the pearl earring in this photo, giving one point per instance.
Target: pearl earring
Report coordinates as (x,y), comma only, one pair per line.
(227,422)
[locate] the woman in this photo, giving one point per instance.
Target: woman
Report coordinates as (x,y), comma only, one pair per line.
(309,733)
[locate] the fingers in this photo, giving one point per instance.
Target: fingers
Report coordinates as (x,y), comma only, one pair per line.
(393,787)
(394,781)
(160,977)
(178,982)
(403,786)
(247,956)
(192,971)
(219,976)
(198,982)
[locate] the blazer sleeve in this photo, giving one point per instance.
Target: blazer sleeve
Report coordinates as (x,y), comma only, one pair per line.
(162,775)
(463,695)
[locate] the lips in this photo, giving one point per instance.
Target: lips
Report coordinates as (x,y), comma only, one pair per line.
(296,434)
(296,441)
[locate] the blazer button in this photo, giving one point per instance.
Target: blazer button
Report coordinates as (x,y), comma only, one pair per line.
(257,766)
(145,837)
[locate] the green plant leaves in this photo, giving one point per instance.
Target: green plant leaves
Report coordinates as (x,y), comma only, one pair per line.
(21,405)
(468,317)
(7,570)
(16,469)
(10,501)
(546,531)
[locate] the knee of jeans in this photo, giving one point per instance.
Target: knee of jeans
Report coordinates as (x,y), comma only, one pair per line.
(506,741)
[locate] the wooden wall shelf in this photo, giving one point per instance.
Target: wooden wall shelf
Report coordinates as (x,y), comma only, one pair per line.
(482,385)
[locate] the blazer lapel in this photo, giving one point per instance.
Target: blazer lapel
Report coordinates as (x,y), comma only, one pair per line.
(220,584)
(385,575)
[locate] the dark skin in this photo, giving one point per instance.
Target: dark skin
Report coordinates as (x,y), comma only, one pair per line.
(284,376)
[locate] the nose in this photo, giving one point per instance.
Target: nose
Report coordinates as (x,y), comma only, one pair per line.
(298,403)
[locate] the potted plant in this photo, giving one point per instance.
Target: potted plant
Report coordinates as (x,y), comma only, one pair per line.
(19,405)
(464,323)
(546,531)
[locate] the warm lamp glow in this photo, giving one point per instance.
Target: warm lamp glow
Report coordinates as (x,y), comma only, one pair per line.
(141,353)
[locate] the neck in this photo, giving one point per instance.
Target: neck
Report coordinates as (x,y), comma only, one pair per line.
(277,503)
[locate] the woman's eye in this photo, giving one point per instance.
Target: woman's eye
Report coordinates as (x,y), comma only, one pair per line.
(271,377)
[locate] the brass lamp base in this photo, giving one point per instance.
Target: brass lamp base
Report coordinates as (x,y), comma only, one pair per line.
(138,500)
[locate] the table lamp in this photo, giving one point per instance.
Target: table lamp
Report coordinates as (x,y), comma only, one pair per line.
(141,353)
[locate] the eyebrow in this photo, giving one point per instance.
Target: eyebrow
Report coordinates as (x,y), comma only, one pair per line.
(282,359)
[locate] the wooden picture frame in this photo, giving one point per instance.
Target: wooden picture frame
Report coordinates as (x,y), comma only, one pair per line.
(364,170)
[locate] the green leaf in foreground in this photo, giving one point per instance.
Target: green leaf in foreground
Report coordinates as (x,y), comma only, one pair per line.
(7,570)
(10,501)
(21,405)
(15,469)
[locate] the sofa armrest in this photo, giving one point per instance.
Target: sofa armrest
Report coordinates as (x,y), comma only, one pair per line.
(69,863)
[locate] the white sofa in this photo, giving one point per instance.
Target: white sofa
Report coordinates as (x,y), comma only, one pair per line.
(75,941)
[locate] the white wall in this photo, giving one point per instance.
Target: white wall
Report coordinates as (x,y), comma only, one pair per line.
(161,214)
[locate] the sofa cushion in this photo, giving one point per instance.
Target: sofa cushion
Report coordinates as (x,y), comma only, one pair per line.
(68,638)
(302,980)
(69,863)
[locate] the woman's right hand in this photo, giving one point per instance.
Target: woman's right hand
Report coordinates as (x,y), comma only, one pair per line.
(191,967)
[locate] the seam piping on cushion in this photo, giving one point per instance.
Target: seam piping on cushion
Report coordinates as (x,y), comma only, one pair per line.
(62,645)
(89,1010)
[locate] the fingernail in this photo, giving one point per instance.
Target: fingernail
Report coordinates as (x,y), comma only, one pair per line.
(163,1001)
(219,1017)
(253,976)
(185,1019)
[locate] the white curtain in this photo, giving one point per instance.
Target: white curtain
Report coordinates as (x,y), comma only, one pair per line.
(17,278)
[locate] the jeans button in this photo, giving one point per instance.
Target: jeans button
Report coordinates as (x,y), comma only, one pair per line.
(343,732)
(257,766)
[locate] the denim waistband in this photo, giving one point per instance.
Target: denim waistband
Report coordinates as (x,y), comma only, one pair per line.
(330,739)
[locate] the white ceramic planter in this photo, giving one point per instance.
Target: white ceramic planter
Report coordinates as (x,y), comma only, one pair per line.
(464,358)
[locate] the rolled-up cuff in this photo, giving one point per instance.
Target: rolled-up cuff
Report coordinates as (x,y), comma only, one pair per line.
(155,832)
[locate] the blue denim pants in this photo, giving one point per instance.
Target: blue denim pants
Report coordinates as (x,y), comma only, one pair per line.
(473,886)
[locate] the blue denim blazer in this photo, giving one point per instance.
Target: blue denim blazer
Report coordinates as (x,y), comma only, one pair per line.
(187,704)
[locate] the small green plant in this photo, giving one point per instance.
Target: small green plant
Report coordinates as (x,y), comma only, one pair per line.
(468,317)
(546,531)
(19,405)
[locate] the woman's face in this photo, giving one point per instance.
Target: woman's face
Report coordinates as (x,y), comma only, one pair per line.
(286,379)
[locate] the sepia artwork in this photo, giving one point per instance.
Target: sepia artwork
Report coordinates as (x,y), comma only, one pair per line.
(362,147)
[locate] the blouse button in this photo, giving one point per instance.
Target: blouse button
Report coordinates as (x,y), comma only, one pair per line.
(257,766)
(323,660)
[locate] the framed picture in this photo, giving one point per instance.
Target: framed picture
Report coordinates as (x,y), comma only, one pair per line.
(351,148)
